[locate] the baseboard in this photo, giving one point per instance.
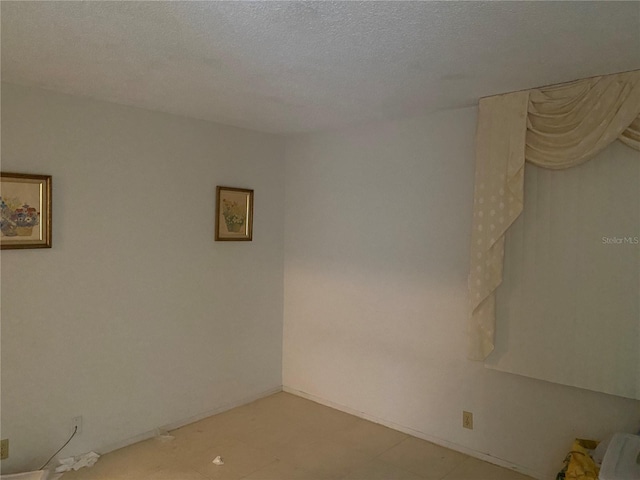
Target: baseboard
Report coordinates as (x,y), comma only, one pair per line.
(186,421)
(415,433)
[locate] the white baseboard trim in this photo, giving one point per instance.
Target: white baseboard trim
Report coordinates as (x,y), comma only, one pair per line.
(415,433)
(186,421)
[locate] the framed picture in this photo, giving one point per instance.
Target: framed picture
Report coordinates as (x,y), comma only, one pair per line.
(25,211)
(234,214)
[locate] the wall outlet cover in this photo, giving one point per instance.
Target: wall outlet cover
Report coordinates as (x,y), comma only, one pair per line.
(467,420)
(4,449)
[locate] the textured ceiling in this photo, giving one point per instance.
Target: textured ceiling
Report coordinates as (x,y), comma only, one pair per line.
(299,66)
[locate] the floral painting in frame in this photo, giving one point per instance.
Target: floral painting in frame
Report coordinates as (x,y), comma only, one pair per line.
(234,214)
(25,211)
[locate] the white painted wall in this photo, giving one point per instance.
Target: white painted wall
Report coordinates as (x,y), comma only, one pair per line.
(377,229)
(376,253)
(135,318)
(568,290)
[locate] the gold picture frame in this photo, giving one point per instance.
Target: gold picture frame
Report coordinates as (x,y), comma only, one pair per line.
(25,211)
(234,214)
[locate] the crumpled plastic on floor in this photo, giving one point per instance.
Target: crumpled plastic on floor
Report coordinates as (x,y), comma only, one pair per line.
(218,460)
(76,463)
(578,464)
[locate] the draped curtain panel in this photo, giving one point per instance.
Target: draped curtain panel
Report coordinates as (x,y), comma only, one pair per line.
(553,127)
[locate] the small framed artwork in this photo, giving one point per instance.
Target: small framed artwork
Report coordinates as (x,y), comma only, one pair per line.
(234,214)
(25,211)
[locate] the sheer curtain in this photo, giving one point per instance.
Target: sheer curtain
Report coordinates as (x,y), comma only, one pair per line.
(553,127)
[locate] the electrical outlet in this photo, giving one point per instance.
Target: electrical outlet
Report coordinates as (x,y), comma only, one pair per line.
(467,420)
(4,449)
(76,424)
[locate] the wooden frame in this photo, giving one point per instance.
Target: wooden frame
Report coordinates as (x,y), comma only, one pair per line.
(25,211)
(234,214)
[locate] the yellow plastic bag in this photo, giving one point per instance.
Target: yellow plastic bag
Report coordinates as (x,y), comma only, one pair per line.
(578,464)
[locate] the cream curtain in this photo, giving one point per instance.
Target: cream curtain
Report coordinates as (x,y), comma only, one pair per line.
(553,127)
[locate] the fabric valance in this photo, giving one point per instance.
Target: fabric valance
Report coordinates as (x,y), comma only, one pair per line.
(553,127)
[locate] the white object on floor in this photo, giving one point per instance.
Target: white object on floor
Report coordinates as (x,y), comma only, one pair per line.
(218,460)
(163,435)
(622,459)
(38,475)
(76,463)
